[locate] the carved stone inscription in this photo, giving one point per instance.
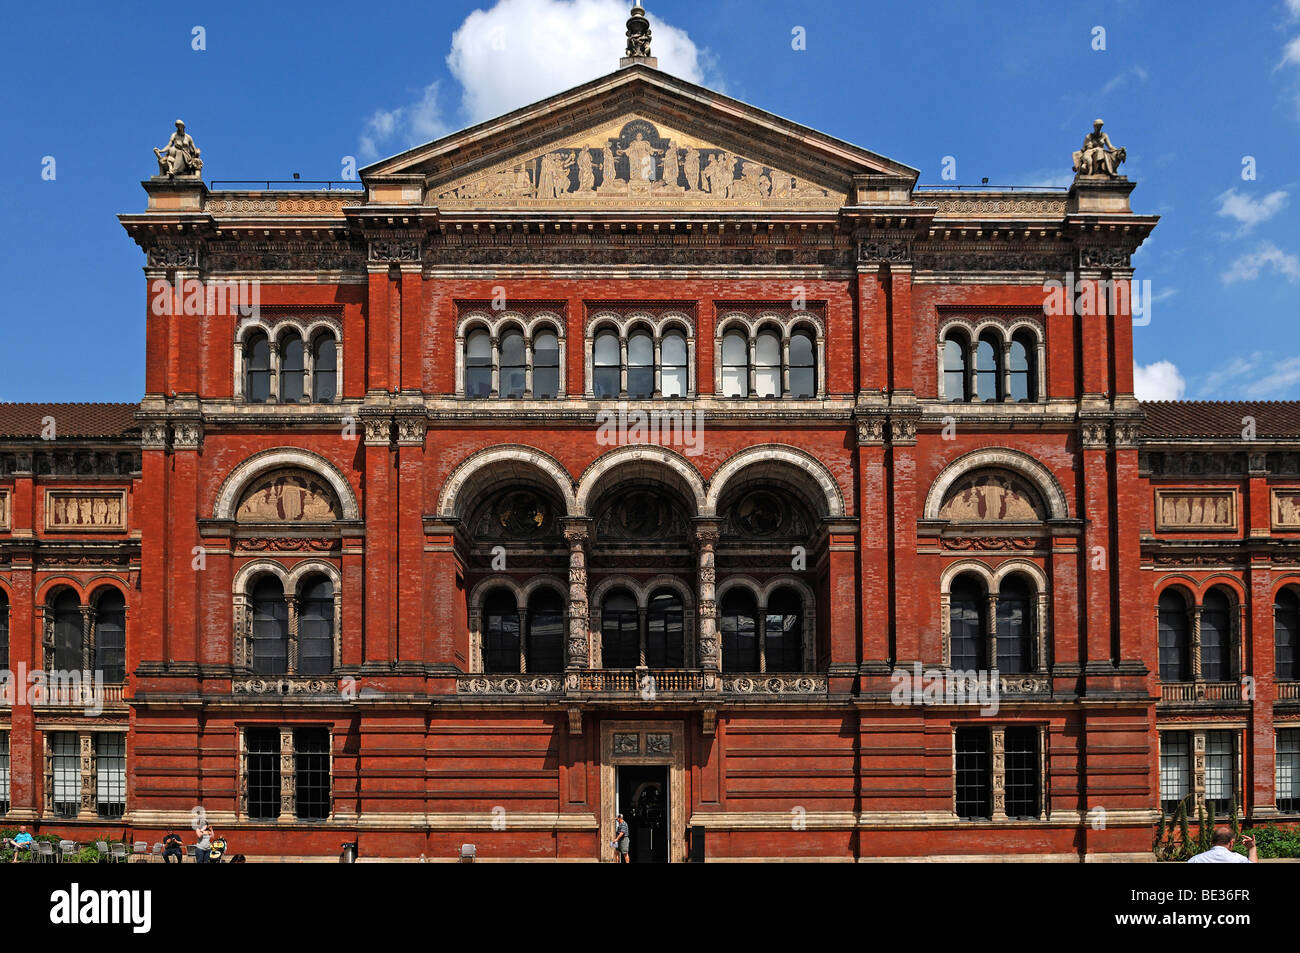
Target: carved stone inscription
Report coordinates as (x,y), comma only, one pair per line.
(634,161)
(288,496)
(87,510)
(1196,509)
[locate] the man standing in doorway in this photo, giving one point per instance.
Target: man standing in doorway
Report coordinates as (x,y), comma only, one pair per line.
(622,840)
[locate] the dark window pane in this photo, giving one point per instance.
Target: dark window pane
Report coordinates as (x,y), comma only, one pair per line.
(968,638)
(270,628)
(1220,770)
(619,639)
(324,375)
(500,633)
(110,637)
(1175,769)
(606,365)
(954,369)
(739,632)
(316,627)
(783,632)
(65,766)
(478,364)
(293,367)
(1022,775)
(513,365)
(735,365)
(974,776)
(1287,775)
(263,768)
(767,364)
(4,772)
(1216,639)
(1014,627)
(4,630)
(546,366)
(1286,632)
(986,371)
(1022,384)
(1175,639)
(664,631)
(110,774)
(257,363)
(672,375)
(311,776)
(67,633)
(803,365)
(546,632)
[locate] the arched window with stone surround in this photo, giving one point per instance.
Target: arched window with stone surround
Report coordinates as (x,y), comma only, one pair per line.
(620,636)
(65,610)
(1286,635)
(640,364)
(545,636)
(955,385)
(1216,636)
(968,624)
(546,365)
(514,364)
(293,368)
(664,630)
(1015,625)
(478,364)
(991,362)
(270,627)
(109,635)
(257,368)
(606,364)
(674,374)
(988,366)
(735,365)
(1175,639)
(1020,368)
(783,632)
(767,364)
(803,365)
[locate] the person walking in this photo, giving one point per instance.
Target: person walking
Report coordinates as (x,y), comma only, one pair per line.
(622,840)
(1222,852)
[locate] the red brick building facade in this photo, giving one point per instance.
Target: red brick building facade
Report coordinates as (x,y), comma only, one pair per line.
(644,451)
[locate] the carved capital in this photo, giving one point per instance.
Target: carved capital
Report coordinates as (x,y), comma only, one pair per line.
(902,430)
(1093,434)
(187,435)
(871,432)
(410,431)
(153,435)
(379,431)
(1126,434)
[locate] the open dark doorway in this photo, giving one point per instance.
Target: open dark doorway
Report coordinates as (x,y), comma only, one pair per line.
(643,799)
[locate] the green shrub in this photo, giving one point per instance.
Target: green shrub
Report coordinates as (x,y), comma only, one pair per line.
(86,853)
(1272,841)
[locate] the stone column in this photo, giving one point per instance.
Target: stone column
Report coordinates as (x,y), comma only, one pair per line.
(993,630)
(999,774)
(288,768)
(575,534)
(1196,644)
(709,651)
(496,366)
(86,743)
(291,652)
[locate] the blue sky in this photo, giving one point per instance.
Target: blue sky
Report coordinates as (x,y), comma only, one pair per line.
(1007,89)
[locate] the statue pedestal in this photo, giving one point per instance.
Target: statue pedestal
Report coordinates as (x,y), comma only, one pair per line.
(650,61)
(182,193)
(1099,195)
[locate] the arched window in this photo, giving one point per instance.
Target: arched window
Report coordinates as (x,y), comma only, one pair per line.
(270,628)
(739,631)
(664,631)
(293,368)
(546,365)
(1286,633)
(783,632)
(620,639)
(954,368)
(478,364)
(500,632)
(4,629)
(514,364)
(767,364)
(110,636)
(1175,638)
(640,364)
(672,356)
(803,365)
(257,369)
(324,371)
(67,632)
(1023,383)
(316,626)
(545,631)
(735,365)
(606,364)
(1015,626)
(1216,637)
(967,632)
(987,361)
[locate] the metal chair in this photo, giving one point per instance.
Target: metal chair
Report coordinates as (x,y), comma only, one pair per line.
(189,852)
(118,853)
(67,848)
(43,852)
(102,847)
(156,853)
(140,851)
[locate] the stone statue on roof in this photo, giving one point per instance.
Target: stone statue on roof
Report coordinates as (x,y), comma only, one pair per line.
(1098,156)
(180,156)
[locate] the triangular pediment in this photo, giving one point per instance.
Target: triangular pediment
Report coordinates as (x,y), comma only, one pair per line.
(638,138)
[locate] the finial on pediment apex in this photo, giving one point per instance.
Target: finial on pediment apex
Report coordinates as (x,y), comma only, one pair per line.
(638,41)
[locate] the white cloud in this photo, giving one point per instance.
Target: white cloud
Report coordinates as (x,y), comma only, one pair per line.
(1291,53)
(1267,255)
(1158,381)
(1136,72)
(1259,376)
(520,51)
(548,46)
(1250,212)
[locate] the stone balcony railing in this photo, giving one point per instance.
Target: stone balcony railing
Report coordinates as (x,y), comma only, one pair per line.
(1288,691)
(645,684)
(64,694)
(1200,692)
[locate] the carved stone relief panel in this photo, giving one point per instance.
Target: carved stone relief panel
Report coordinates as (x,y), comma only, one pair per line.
(1178,510)
(288,496)
(991,496)
(6,521)
(1285,509)
(85,510)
